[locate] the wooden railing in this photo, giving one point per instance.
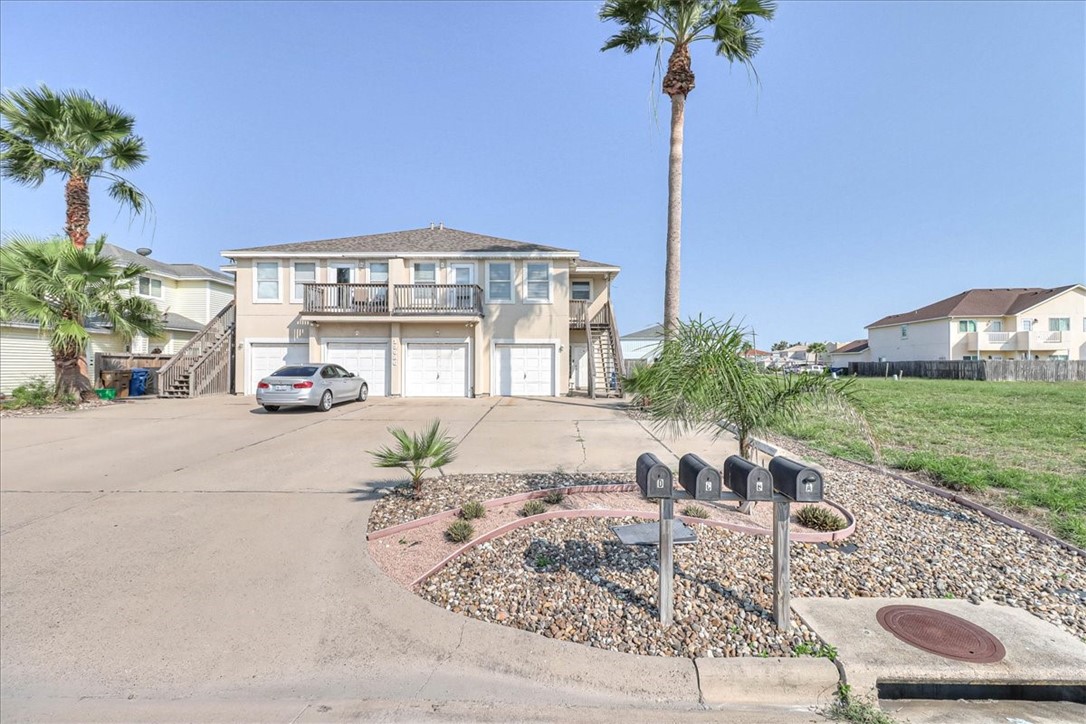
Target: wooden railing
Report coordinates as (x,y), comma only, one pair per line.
(373,299)
(212,373)
(578,311)
(207,341)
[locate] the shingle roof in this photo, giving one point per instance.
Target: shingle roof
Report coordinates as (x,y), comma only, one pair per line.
(588,264)
(183,271)
(856,345)
(425,240)
(656,331)
(174,321)
(976,303)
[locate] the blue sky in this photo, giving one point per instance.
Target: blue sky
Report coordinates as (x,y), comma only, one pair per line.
(894,153)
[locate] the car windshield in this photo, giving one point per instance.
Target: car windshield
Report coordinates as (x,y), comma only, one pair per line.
(294,372)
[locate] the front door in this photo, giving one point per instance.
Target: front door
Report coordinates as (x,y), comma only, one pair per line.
(463,276)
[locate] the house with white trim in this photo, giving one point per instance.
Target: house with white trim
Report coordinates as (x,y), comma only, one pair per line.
(430,312)
(1007,323)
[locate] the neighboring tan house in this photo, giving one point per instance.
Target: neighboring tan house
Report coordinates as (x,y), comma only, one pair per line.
(1024,323)
(189,295)
(797,354)
(854,351)
(431,312)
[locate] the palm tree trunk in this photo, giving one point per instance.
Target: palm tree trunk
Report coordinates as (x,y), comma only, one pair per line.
(71,373)
(674,214)
(77,200)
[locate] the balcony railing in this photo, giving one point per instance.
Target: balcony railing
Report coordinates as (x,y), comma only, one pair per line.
(405,299)
(578,315)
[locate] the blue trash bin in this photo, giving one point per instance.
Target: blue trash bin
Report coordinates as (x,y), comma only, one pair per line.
(138,386)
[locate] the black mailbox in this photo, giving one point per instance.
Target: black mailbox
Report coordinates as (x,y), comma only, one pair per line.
(747,480)
(699,478)
(795,480)
(653,477)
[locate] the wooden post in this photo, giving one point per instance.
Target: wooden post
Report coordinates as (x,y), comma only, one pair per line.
(782,598)
(665,601)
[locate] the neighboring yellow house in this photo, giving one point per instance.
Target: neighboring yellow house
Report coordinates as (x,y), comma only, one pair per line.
(189,295)
(1025,323)
(431,312)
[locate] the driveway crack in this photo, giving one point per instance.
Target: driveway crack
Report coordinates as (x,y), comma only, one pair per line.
(443,659)
(481,418)
(697,679)
(580,440)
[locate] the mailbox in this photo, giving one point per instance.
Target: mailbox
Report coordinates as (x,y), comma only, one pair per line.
(653,477)
(795,480)
(699,478)
(747,480)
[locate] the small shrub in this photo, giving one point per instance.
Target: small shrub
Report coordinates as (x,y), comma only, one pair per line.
(417,453)
(533,507)
(543,560)
(472,509)
(460,531)
(36,393)
(817,518)
(554,497)
(695,511)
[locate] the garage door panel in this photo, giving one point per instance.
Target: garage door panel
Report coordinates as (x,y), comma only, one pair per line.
(367,360)
(525,369)
(268,357)
(436,370)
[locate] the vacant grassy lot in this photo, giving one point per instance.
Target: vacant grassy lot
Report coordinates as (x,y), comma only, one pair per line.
(1028,438)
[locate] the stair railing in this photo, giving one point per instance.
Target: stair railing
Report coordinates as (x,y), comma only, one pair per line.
(182,362)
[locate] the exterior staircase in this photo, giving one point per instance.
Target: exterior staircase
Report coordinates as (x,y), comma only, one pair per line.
(205,365)
(605,365)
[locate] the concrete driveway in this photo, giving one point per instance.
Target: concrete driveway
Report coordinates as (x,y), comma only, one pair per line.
(203,559)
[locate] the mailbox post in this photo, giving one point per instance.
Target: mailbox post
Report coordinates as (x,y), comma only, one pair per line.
(792,481)
(654,479)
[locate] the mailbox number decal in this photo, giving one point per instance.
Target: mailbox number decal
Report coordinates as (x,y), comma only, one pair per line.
(758,486)
(659,483)
(808,487)
(709,485)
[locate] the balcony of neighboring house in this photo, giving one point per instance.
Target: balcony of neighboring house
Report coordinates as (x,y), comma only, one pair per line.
(1015,341)
(992,341)
(370,301)
(1041,340)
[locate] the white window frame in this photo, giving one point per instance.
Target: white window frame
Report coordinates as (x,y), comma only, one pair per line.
(995,326)
(580,281)
(414,270)
(904,331)
(1052,322)
(278,282)
(294,279)
(512,283)
(529,299)
(967,322)
(369,272)
(150,287)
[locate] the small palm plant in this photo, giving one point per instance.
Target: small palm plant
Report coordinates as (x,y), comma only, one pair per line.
(417,453)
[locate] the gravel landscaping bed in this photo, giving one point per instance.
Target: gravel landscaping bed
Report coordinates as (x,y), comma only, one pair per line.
(908,543)
(451,491)
(51,409)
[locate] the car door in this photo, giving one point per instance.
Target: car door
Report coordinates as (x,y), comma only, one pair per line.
(331,381)
(350,382)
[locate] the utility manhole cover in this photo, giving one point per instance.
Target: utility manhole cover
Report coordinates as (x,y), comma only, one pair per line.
(941,633)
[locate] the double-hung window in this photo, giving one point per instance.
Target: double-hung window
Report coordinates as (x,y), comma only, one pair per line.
(379,275)
(424,277)
(267,281)
(537,281)
(305,272)
(904,331)
(150,287)
(581,291)
(499,281)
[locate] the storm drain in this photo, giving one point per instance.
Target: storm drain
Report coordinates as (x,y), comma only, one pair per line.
(941,634)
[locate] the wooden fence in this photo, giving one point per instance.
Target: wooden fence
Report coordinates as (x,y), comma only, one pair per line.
(104,361)
(995,370)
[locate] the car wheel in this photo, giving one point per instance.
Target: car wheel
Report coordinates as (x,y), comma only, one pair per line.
(363,392)
(271,408)
(326,401)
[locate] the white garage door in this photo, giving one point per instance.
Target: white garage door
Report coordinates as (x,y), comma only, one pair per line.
(267,358)
(368,361)
(525,369)
(436,370)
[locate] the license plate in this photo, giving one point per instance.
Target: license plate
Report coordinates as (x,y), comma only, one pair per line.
(281,388)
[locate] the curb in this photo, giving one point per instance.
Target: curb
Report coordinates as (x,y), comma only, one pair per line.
(803,681)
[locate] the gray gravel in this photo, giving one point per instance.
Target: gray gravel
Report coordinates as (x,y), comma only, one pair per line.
(907,544)
(451,491)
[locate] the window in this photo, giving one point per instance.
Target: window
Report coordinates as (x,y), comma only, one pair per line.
(996,325)
(1027,325)
(904,331)
(499,282)
(267,281)
(970,357)
(151,287)
(581,291)
(330,372)
(425,273)
(1059,324)
(378,272)
(967,325)
(305,272)
(537,282)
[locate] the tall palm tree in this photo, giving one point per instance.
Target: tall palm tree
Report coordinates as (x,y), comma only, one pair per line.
(59,287)
(76,136)
(730,24)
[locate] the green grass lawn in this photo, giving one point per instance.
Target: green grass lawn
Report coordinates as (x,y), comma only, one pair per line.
(1026,437)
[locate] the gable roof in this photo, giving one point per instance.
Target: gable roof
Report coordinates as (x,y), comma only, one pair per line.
(654,332)
(853,347)
(977,303)
(177,271)
(440,240)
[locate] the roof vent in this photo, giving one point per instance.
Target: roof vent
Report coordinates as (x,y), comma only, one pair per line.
(441,225)
(431,226)
(143,251)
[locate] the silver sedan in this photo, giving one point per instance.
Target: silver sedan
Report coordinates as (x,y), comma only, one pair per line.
(310,385)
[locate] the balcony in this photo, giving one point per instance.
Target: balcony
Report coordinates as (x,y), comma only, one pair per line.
(578,314)
(374,300)
(1015,341)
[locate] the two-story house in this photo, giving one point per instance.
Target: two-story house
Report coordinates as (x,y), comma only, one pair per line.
(189,295)
(1022,323)
(431,312)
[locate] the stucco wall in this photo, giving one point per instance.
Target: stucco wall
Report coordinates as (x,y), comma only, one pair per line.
(925,341)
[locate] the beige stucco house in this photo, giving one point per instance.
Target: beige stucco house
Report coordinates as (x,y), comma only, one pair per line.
(431,312)
(189,295)
(1022,323)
